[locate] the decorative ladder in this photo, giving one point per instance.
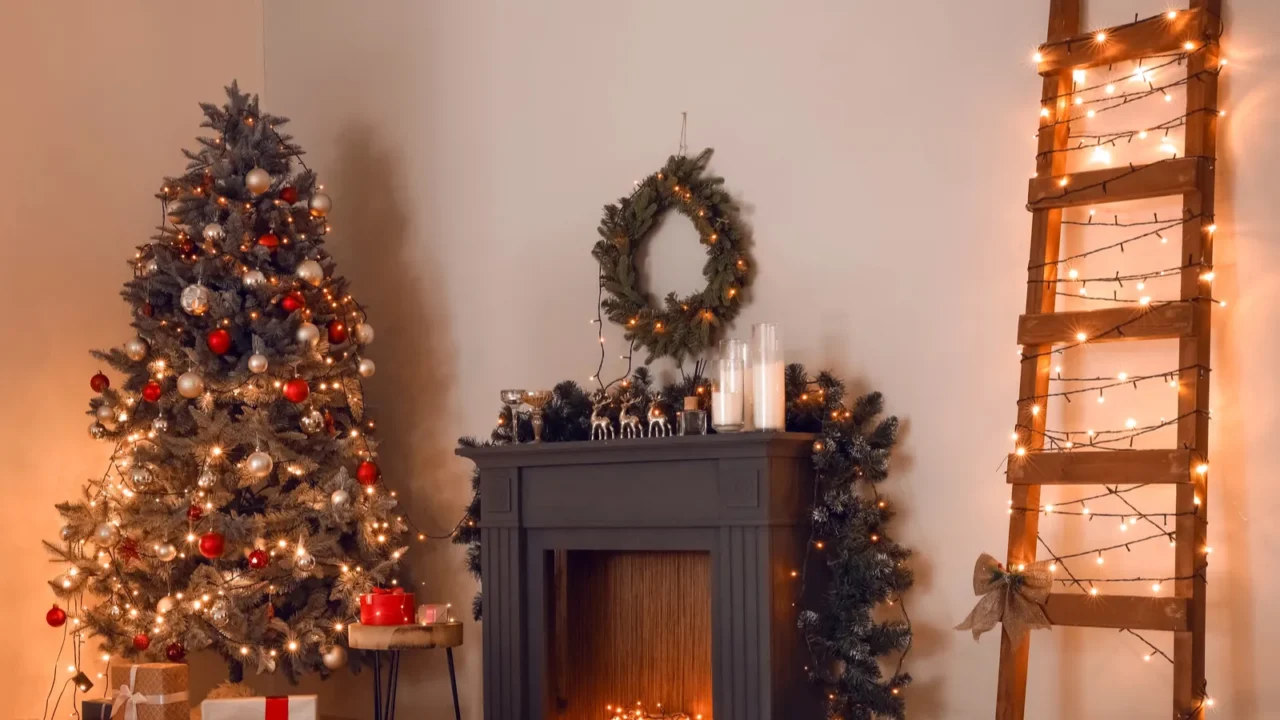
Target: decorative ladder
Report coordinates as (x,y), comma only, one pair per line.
(1041,328)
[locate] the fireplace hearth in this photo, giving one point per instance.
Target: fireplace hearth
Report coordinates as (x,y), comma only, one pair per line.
(655,570)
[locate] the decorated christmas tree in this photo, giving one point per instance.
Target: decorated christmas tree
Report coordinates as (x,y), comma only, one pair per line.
(241,509)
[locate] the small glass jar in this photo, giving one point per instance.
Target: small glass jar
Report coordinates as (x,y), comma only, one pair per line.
(729,388)
(693,421)
(768,379)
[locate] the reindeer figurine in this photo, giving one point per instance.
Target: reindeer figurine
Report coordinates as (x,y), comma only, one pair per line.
(629,422)
(601,424)
(659,426)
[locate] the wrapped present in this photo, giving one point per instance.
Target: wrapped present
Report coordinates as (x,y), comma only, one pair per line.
(151,691)
(291,707)
(431,614)
(95,709)
(387,607)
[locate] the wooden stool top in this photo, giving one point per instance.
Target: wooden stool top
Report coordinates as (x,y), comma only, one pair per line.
(404,637)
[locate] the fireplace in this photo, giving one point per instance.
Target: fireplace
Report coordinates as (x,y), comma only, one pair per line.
(655,570)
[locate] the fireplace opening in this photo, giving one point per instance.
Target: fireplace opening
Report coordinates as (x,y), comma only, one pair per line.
(628,631)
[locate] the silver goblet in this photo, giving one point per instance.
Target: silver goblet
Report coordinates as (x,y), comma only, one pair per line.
(536,400)
(513,399)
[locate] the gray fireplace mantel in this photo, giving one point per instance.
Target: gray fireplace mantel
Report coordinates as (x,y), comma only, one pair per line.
(742,498)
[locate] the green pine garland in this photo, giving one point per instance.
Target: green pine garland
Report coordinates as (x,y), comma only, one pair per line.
(861,566)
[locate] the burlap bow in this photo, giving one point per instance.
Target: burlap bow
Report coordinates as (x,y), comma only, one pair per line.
(1013,598)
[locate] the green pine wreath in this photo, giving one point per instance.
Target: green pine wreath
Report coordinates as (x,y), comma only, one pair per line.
(682,326)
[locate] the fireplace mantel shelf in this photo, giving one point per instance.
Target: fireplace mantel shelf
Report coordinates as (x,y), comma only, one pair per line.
(720,445)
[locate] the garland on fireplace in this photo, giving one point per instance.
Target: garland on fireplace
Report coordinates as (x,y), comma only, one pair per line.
(852,566)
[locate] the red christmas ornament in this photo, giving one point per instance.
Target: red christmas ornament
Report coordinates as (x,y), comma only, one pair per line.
(99,382)
(141,642)
(258,559)
(151,391)
(212,544)
(187,245)
(269,241)
(293,301)
(219,341)
(329,425)
(128,549)
(271,611)
(289,194)
(56,616)
(368,473)
(296,390)
(337,332)
(194,513)
(175,652)
(147,310)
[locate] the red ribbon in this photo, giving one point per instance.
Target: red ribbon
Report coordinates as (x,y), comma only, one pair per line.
(384,591)
(277,708)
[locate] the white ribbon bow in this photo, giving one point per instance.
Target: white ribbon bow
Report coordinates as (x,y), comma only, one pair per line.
(127,700)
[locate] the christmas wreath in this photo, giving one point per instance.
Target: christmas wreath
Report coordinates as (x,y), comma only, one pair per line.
(682,326)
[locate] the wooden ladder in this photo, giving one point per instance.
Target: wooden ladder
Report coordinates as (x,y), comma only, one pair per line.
(1040,329)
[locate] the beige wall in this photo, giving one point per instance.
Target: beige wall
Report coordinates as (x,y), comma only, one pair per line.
(881,150)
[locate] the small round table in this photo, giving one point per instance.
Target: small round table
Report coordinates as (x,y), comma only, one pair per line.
(391,639)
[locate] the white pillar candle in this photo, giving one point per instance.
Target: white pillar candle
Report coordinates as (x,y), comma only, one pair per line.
(769,411)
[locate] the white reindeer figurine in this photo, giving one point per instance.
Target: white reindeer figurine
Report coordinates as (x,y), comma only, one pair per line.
(628,422)
(601,425)
(658,424)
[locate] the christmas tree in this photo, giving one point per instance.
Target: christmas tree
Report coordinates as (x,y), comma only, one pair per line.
(241,510)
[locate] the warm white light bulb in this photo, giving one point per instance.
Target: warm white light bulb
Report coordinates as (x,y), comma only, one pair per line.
(1081,336)
(1100,37)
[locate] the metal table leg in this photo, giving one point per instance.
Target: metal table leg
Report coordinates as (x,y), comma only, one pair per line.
(453,684)
(384,698)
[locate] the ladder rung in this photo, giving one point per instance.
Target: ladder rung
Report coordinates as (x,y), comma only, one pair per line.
(1118,611)
(1154,36)
(1086,467)
(1150,323)
(1159,179)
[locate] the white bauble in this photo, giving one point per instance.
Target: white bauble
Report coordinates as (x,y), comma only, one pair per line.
(207,479)
(258,181)
(307,333)
(367,368)
(335,658)
(105,413)
(213,232)
(106,535)
(195,299)
(259,464)
(166,552)
(66,533)
(166,604)
(97,430)
(312,422)
(310,272)
(253,279)
(136,349)
(306,562)
(257,363)
(364,334)
(140,475)
(320,204)
(190,385)
(340,499)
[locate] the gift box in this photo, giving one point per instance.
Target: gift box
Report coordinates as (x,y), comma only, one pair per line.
(431,614)
(291,707)
(95,709)
(387,607)
(150,691)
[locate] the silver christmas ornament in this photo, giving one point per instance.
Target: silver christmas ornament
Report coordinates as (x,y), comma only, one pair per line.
(257,363)
(106,535)
(310,272)
(311,422)
(213,232)
(140,475)
(367,368)
(66,533)
(308,333)
(150,267)
(97,430)
(190,385)
(335,658)
(259,464)
(364,334)
(166,604)
(195,299)
(320,204)
(207,479)
(305,563)
(105,413)
(136,349)
(160,425)
(258,181)
(253,279)
(219,612)
(340,499)
(166,552)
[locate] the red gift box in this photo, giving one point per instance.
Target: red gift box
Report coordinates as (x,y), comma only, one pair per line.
(387,607)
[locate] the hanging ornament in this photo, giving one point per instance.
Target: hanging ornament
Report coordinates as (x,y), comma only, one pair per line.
(219,612)
(219,341)
(190,385)
(337,332)
(367,368)
(140,475)
(364,333)
(65,532)
(340,499)
(207,479)
(151,391)
(305,562)
(258,181)
(99,382)
(335,658)
(259,464)
(253,279)
(97,430)
(307,333)
(147,310)
(166,552)
(269,241)
(175,652)
(294,300)
(136,349)
(128,549)
(258,559)
(166,604)
(160,425)
(320,204)
(56,617)
(141,642)
(312,422)
(289,194)
(296,390)
(195,299)
(310,272)
(257,363)
(149,267)
(367,473)
(106,535)
(105,413)
(194,513)
(212,544)
(329,425)
(213,232)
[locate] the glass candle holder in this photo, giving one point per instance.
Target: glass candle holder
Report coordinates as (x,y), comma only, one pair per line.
(693,421)
(768,378)
(729,388)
